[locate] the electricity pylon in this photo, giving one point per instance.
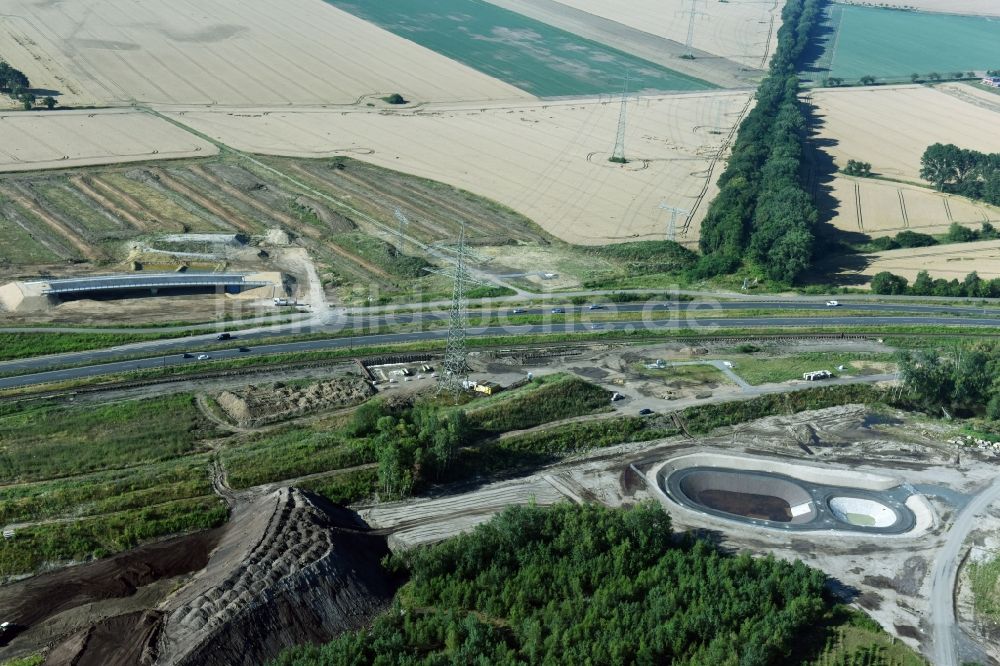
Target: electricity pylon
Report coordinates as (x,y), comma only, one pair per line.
(456,367)
(618,154)
(672,224)
(403,223)
(692,13)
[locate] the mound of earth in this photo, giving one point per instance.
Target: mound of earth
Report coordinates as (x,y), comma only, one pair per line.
(62,605)
(335,221)
(256,405)
(313,573)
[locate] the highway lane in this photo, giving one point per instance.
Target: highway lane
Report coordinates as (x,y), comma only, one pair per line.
(942,603)
(41,369)
(378,316)
(364,324)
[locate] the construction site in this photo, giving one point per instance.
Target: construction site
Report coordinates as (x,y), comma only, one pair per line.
(291,292)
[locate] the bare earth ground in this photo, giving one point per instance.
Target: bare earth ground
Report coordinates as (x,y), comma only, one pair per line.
(887,576)
(232,52)
(740,30)
(546,160)
(982,7)
(891,126)
(47,140)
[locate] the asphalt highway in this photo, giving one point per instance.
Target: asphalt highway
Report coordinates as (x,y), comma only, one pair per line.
(170,352)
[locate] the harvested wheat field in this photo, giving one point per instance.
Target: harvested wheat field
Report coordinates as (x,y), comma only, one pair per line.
(891,126)
(235,52)
(744,31)
(980,7)
(548,161)
(45,140)
(883,208)
(953,261)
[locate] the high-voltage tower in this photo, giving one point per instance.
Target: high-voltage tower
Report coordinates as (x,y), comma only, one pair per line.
(618,154)
(455,370)
(403,223)
(692,14)
(672,223)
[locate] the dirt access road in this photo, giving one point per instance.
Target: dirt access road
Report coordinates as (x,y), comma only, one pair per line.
(943,576)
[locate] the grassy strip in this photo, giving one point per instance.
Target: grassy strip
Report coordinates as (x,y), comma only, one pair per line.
(770,370)
(97,537)
(46,440)
(106,492)
(290,453)
(984,578)
(345,487)
(705,418)
(543,402)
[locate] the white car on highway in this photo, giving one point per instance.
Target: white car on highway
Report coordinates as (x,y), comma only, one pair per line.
(832,304)
(203,357)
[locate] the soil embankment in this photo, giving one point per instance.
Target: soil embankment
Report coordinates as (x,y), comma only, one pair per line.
(288,568)
(314,572)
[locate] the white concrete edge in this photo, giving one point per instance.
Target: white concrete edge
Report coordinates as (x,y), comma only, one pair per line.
(828,476)
(921,507)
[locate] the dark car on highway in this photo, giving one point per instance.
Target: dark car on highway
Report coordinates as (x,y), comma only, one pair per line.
(224,336)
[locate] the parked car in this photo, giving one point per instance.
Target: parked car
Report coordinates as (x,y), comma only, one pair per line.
(645,411)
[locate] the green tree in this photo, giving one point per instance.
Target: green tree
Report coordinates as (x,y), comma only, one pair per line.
(928,379)
(888,283)
(938,164)
(961,234)
(49,102)
(859,169)
(934,76)
(28,100)
(867,80)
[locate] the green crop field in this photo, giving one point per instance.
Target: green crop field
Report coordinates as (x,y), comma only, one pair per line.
(892,44)
(529,54)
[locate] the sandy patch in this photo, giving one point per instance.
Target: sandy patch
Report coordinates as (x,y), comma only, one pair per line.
(740,30)
(547,160)
(46,140)
(883,208)
(891,126)
(982,7)
(232,52)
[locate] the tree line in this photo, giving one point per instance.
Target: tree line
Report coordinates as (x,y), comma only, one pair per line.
(763,214)
(972,286)
(967,384)
(962,171)
(586,585)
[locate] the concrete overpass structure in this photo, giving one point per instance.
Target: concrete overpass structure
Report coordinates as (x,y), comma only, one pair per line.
(41,294)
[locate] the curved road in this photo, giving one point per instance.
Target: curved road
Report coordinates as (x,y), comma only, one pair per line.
(942,602)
